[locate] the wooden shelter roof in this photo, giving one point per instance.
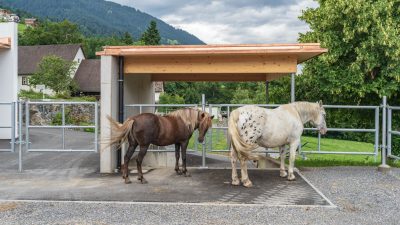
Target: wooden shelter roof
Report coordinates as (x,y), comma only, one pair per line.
(244,62)
(303,51)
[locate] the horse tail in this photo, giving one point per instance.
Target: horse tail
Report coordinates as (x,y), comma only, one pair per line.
(121,132)
(241,147)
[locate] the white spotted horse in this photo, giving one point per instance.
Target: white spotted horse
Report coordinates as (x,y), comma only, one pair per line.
(251,127)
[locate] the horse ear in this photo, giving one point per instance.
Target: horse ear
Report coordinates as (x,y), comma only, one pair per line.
(320,103)
(212,117)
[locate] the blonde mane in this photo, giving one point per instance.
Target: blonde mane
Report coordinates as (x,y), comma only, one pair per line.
(188,115)
(307,110)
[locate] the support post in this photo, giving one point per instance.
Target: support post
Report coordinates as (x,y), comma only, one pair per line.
(384,167)
(120,103)
(203,156)
(292,88)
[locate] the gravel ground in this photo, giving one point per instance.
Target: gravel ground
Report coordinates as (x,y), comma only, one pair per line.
(362,196)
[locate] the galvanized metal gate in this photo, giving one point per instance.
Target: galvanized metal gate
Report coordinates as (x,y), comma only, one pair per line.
(25,126)
(63,126)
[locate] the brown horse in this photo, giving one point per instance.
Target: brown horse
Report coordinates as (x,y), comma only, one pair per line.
(144,129)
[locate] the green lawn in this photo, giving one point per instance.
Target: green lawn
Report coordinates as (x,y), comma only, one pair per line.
(310,144)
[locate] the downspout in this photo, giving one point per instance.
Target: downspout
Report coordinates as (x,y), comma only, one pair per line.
(120,103)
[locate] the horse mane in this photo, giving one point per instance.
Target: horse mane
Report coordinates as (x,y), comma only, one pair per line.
(189,116)
(307,110)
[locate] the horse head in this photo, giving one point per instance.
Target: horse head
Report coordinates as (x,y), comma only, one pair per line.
(319,121)
(205,122)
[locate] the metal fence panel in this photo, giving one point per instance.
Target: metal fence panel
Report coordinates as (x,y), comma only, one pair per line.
(391,132)
(223,110)
(11,126)
(64,127)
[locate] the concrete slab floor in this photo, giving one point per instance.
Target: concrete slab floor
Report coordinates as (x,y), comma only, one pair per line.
(204,186)
(75,177)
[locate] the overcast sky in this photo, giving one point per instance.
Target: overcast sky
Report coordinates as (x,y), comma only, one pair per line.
(231,21)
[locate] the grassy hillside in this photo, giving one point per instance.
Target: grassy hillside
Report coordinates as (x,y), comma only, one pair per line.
(99,17)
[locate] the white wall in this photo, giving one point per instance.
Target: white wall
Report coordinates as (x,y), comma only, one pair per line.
(138,89)
(8,76)
(108,107)
(78,58)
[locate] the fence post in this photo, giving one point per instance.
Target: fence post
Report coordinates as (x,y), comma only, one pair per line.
(63,125)
(292,87)
(203,157)
(389,133)
(96,129)
(13,123)
(20,136)
(376,147)
(27,123)
(384,167)
(211,130)
(228,113)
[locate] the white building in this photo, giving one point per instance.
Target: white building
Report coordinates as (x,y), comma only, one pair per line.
(8,74)
(29,58)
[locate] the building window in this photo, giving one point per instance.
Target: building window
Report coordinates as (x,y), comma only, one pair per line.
(25,81)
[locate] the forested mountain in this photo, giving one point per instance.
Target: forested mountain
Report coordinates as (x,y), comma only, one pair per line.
(102,18)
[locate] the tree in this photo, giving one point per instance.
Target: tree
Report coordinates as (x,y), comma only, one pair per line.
(47,33)
(151,36)
(91,45)
(249,95)
(362,64)
(166,98)
(55,73)
(127,38)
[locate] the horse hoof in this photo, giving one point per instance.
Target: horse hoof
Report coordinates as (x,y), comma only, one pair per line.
(235,182)
(291,177)
(187,174)
(178,172)
(144,181)
(283,173)
(127,181)
(248,184)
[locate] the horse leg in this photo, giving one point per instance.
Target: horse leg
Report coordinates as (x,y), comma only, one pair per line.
(245,177)
(235,179)
(292,155)
(125,168)
(177,156)
(183,149)
(282,171)
(139,160)
(179,172)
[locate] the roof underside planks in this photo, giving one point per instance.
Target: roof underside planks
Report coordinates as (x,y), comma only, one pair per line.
(214,62)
